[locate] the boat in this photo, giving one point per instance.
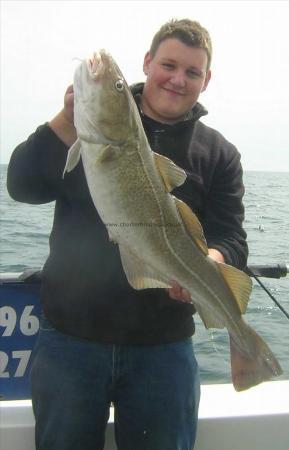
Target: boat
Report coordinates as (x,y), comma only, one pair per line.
(256,419)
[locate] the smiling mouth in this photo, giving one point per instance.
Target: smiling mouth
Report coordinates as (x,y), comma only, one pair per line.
(172,91)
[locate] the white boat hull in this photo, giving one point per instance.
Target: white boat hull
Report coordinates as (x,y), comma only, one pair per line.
(257,419)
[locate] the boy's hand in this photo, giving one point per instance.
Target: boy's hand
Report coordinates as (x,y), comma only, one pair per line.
(63,124)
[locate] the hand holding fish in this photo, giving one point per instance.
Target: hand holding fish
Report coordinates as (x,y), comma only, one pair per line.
(63,123)
(69,104)
(176,292)
(216,255)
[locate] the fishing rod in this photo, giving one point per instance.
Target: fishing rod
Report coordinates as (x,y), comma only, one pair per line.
(253,270)
(275,271)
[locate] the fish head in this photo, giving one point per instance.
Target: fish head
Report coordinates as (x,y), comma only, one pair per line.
(104,107)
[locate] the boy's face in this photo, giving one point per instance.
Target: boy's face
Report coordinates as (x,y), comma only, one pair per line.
(176,76)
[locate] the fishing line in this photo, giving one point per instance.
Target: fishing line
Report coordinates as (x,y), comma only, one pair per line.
(75,58)
(268,292)
(215,337)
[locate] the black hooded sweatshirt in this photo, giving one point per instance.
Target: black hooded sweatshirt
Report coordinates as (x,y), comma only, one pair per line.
(84,291)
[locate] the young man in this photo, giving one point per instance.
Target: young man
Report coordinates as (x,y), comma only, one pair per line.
(100,340)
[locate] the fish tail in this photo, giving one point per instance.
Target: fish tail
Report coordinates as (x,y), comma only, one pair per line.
(255,365)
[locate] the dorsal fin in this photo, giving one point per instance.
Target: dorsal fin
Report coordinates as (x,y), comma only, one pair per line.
(239,283)
(192,225)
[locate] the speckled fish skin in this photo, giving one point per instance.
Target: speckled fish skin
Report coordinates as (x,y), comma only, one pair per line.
(159,237)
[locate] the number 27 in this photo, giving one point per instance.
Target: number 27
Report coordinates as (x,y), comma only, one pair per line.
(22,355)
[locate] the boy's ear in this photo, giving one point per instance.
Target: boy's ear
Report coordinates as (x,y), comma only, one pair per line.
(146,62)
(207,79)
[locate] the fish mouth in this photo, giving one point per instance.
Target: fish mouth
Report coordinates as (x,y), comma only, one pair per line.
(97,64)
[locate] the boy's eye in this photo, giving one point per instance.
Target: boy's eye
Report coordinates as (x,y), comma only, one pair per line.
(168,65)
(193,74)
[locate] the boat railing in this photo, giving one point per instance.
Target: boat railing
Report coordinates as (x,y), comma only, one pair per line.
(259,270)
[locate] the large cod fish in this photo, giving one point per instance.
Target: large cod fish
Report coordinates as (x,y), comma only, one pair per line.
(160,239)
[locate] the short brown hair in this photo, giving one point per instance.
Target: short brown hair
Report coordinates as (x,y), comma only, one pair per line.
(187,31)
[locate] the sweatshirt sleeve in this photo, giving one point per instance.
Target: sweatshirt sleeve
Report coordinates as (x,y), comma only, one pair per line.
(36,166)
(224,213)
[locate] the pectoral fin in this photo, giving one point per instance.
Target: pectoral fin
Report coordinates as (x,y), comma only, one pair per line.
(73,157)
(108,153)
(171,174)
(139,275)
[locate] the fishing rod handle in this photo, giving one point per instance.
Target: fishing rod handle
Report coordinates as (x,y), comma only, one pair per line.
(268,271)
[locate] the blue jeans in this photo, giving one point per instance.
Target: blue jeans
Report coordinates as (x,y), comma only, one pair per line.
(155,391)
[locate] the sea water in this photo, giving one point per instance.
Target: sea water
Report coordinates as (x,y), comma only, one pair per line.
(24,235)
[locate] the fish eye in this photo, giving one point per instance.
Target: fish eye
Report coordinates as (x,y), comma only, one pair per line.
(119,85)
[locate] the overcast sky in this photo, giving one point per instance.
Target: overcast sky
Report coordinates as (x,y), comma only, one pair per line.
(247,98)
